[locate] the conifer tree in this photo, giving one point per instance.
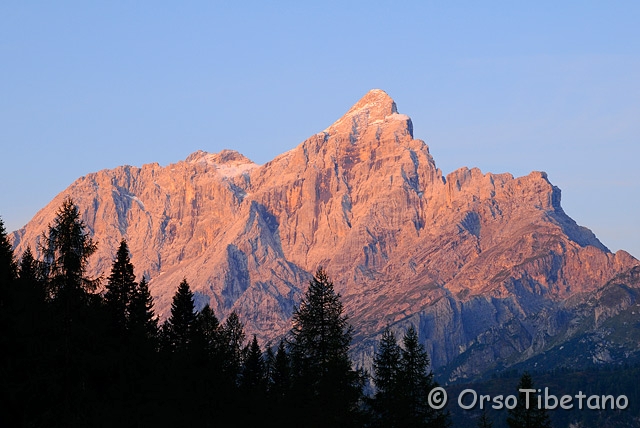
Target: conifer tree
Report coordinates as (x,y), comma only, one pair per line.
(8,268)
(207,336)
(7,312)
(253,385)
(416,381)
(523,417)
(30,290)
(29,271)
(386,366)
(280,373)
(142,322)
(232,337)
(278,382)
(67,248)
(253,379)
(326,388)
(178,329)
(121,287)
(76,324)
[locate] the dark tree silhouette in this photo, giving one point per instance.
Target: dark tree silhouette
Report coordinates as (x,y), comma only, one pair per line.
(253,385)
(8,268)
(523,417)
(30,276)
(326,388)
(178,329)
(66,249)
(232,342)
(253,379)
(280,373)
(386,366)
(8,331)
(207,337)
(142,322)
(416,382)
(121,287)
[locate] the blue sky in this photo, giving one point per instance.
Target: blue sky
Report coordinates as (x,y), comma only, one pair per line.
(504,86)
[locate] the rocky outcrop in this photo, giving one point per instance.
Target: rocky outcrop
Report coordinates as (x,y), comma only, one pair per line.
(470,259)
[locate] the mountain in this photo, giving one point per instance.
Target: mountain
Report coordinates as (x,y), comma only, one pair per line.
(488,267)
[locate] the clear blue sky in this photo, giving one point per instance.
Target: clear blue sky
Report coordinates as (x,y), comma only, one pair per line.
(505,86)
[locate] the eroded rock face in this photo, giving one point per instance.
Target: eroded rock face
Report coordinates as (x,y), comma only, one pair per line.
(468,258)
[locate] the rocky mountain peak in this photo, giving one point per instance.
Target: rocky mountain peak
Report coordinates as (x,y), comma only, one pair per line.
(376,103)
(227,162)
(373,109)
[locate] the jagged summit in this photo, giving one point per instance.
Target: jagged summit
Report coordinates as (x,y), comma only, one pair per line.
(374,108)
(229,163)
(224,157)
(376,103)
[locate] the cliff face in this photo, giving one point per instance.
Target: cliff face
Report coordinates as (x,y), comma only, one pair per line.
(470,259)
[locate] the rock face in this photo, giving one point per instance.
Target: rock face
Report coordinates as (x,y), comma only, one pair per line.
(488,267)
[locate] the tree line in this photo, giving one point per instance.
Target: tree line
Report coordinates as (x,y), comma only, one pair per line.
(77,353)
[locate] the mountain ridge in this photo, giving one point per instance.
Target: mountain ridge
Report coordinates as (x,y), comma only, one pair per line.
(365,200)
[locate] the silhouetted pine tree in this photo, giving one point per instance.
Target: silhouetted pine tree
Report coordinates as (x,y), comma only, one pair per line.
(207,335)
(66,249)
(523,417)
(278,385)
(279,382)
(253,379)
(8,328)
(178,328)
(178,360)
(36,336)
(386,366)
(30,278)
(8,268)
(326,390)
(76,347)
(142,322)
(416,381)
(232,337)
(120,288)
(253,388)
(215,393)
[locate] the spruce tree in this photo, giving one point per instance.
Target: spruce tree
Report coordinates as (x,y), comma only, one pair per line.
(8,327)
(66,249)
(523,417)
(386,366)
(232,340)
(207,335)
(77,337)
(253,385)
(253,380)
(142,322)
(121,288)
(280,373)
(326,388)
(8,268)
(178,329)
(8,272)
(29,271)
(278,385)
(416,381)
